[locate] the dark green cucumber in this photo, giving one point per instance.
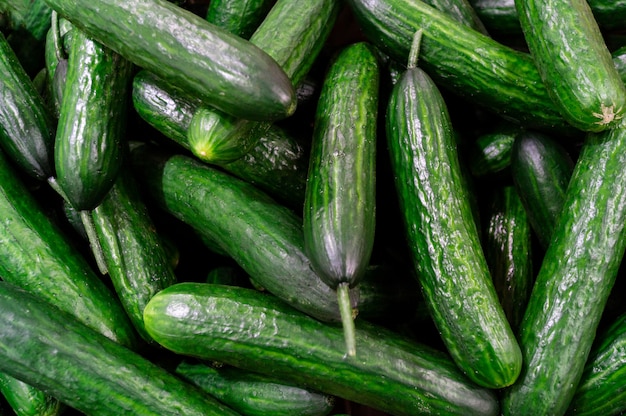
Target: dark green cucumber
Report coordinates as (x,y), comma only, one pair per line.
(293,33)
(574,281)
(258,332)
(340,199)
(89,138)
(254,394)
(508,250)
(26,400)
(460,10)
(541,169)
(226,71)
(36,254)
(28,39)
(442,234)
(27,127)
(574,62)
(240,17)
(502,79)
(601,387)
(491,152)
(277,163)
(136,260)
(53,351)
(264,237)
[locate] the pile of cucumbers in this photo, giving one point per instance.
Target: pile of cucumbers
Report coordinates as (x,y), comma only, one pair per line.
(312,207)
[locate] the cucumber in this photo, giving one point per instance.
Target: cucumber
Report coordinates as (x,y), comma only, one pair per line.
(277,164)
(502,79)
(28,39)
(32,246)
(390,373)
(574,62)
(541,169)
(92,121)
(26,400)
(27,127)
(226,71)
(293,33)
(574,281)
(490,153)
(136,260)
(264,237)
(254,394)
(441,232)
(340,199)
(508,250)
(601,387)
(462,11)
(55,352)
(240,17)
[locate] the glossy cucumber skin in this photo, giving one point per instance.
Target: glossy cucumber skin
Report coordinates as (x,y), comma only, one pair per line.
(391,374)
(25,400)
(491,152)
(225,70)
(27,127)
(541,169)
(32,246)
(574,62)
(255,394)
(136,260)
(264,237)
(601,388)
(293,33)
(340,200)
(54,352)
(92,120)
(277,163)
(508,250)
(442,234)
(240,17)
(502,79)
(574,281)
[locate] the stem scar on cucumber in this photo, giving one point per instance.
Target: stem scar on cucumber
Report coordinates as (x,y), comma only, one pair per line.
(608,114)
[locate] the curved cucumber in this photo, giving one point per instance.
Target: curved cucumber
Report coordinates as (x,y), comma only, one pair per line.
(390,373)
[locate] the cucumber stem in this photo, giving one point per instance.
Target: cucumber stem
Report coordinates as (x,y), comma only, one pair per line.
(347,318)
(415,49)
(94,242)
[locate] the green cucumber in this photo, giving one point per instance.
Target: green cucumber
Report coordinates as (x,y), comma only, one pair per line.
(136,260)
(55,352)
(491,152)
(541,169)
(26,400)
(576,276)
(254,394)
(508,250)
(89,138)
(28,39)
(340,199)
(240,17)
(501,79)
(462,11)
(264,237)
(293,33)
(277,163)
(226,71)
(27,127)
(601,387)
(574,62)
(258,332)
(442,234)
(32,246)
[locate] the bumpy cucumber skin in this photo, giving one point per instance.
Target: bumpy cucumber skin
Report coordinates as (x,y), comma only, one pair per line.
(340,199)
(576,276)
(255,394)
(136,260)
(27,126)
(442,235)
(51,350)
(92,120)
(574,62)
(541,169)
(502,79)
(240,17)
(256,331)
(225,70)
(460,10)
(264,237)
(32,246)
(25,400)
(601,389)
(491,152)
